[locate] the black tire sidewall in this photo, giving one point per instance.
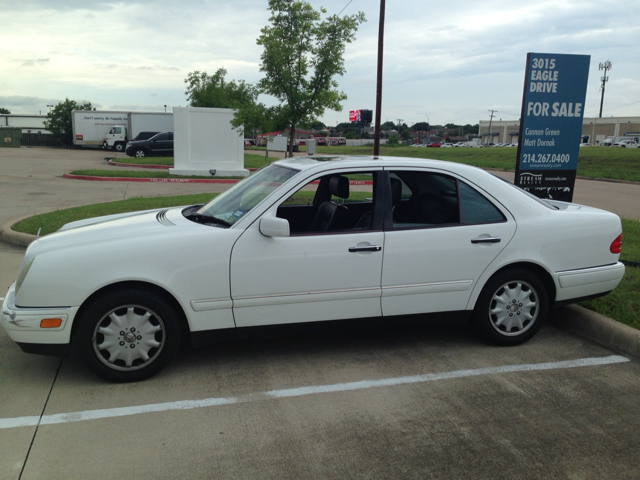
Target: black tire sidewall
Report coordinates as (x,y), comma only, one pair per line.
(481,321)
(83,339)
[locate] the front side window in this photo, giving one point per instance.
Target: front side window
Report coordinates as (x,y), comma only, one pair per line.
(337,202)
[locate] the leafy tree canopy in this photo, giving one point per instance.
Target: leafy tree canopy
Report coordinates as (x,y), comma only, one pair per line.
(5,111)
(214,91)
(59,118)
(302,55)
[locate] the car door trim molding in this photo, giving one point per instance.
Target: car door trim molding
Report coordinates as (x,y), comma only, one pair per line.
(422,288)
(304,297)
(211,304)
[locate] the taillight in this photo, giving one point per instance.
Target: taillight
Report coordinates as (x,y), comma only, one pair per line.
(616,245)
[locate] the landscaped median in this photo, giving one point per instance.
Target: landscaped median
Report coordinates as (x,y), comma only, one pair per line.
(138,176)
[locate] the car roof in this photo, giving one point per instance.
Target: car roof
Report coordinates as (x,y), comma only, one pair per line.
(360,161)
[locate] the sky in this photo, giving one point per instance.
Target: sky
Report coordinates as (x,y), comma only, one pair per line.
(444,62)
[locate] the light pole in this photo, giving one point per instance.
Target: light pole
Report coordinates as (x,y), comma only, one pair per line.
(165,109)
(50,107)
(603,66)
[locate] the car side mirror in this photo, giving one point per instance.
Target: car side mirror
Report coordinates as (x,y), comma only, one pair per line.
(274,227)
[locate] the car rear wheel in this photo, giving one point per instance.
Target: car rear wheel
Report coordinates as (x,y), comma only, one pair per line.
(128,336)
(511,308)
(140,153)
(119,147)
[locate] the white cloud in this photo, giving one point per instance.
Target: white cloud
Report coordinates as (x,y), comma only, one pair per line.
(451,60)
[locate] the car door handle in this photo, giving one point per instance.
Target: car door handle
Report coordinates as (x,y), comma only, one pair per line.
(368,248)
(486,240)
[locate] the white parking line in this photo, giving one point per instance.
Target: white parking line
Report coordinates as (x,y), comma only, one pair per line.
(297,392)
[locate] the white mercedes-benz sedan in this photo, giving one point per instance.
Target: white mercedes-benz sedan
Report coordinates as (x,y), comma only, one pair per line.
(308,240)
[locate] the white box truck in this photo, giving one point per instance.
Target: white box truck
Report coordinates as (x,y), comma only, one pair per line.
(90,127)
(111,130)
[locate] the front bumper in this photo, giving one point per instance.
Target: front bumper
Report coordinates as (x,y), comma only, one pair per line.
(23,326)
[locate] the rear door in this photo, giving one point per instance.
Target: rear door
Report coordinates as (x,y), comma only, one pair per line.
(440,237)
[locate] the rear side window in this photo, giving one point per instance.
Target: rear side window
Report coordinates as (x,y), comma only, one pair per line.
(474,208)
(422,199)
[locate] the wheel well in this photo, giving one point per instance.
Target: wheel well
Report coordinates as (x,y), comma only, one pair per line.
(149,287)
(537,270)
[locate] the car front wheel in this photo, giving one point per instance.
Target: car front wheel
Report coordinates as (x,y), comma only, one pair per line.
(511,308)
(140,153)
(128,335)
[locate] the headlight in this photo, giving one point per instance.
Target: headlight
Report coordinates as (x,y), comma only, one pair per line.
(23,274)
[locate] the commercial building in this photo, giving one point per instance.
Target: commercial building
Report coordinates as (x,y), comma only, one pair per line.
(594,130)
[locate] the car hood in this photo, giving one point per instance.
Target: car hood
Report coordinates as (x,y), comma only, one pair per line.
(119,228)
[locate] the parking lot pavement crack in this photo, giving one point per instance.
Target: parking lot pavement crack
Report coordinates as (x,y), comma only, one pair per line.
(44,408)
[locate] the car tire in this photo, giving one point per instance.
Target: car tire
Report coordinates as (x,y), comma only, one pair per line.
(119,147)
(139,153)
(511,307)
(145,338)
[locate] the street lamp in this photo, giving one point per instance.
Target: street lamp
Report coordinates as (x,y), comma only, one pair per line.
(50,107)
(165,109)
(603,66)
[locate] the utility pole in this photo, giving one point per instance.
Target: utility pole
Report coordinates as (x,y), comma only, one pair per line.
(490,121)
(603,66)
(399,123)
(376,138)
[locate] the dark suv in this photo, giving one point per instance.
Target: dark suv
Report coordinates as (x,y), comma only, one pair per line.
(158,145)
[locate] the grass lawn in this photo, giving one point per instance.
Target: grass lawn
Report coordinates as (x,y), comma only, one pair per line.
(593,162)
(250,160)
(51,222)
(119,173)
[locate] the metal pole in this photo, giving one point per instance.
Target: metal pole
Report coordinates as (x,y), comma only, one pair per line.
(376,140)
(604,66)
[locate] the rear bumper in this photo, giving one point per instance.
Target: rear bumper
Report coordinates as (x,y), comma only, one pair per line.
(585,282)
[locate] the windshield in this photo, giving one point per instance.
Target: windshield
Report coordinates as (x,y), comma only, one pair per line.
(232,205)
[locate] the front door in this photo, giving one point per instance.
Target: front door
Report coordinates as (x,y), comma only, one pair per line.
(328,268)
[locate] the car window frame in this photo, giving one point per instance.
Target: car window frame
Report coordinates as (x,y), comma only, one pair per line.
(388,210)
(377,199)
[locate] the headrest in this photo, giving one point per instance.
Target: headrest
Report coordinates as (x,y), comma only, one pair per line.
(396,191)
(339,186)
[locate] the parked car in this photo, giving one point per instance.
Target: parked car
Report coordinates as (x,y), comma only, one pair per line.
(447,145)
(296,242)
(158,145)
(433,144)
(626,144)
(144,136)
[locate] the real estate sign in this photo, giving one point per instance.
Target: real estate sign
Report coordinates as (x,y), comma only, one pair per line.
(555,88)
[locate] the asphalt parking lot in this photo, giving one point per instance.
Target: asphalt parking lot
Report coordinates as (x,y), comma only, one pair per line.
(428,401)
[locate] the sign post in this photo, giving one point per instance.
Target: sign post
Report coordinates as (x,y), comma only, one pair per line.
(555,89)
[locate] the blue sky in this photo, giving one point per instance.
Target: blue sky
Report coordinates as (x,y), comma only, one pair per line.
(448,62)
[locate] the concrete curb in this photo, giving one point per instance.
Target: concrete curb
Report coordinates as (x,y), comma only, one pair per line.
(12,237)
(597,328)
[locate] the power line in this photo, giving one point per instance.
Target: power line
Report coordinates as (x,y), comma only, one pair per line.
(346,6)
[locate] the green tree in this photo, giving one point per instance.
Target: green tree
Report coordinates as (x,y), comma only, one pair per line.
(302,55)
(5,111)
(212,91)
(59,118)
(393,141)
